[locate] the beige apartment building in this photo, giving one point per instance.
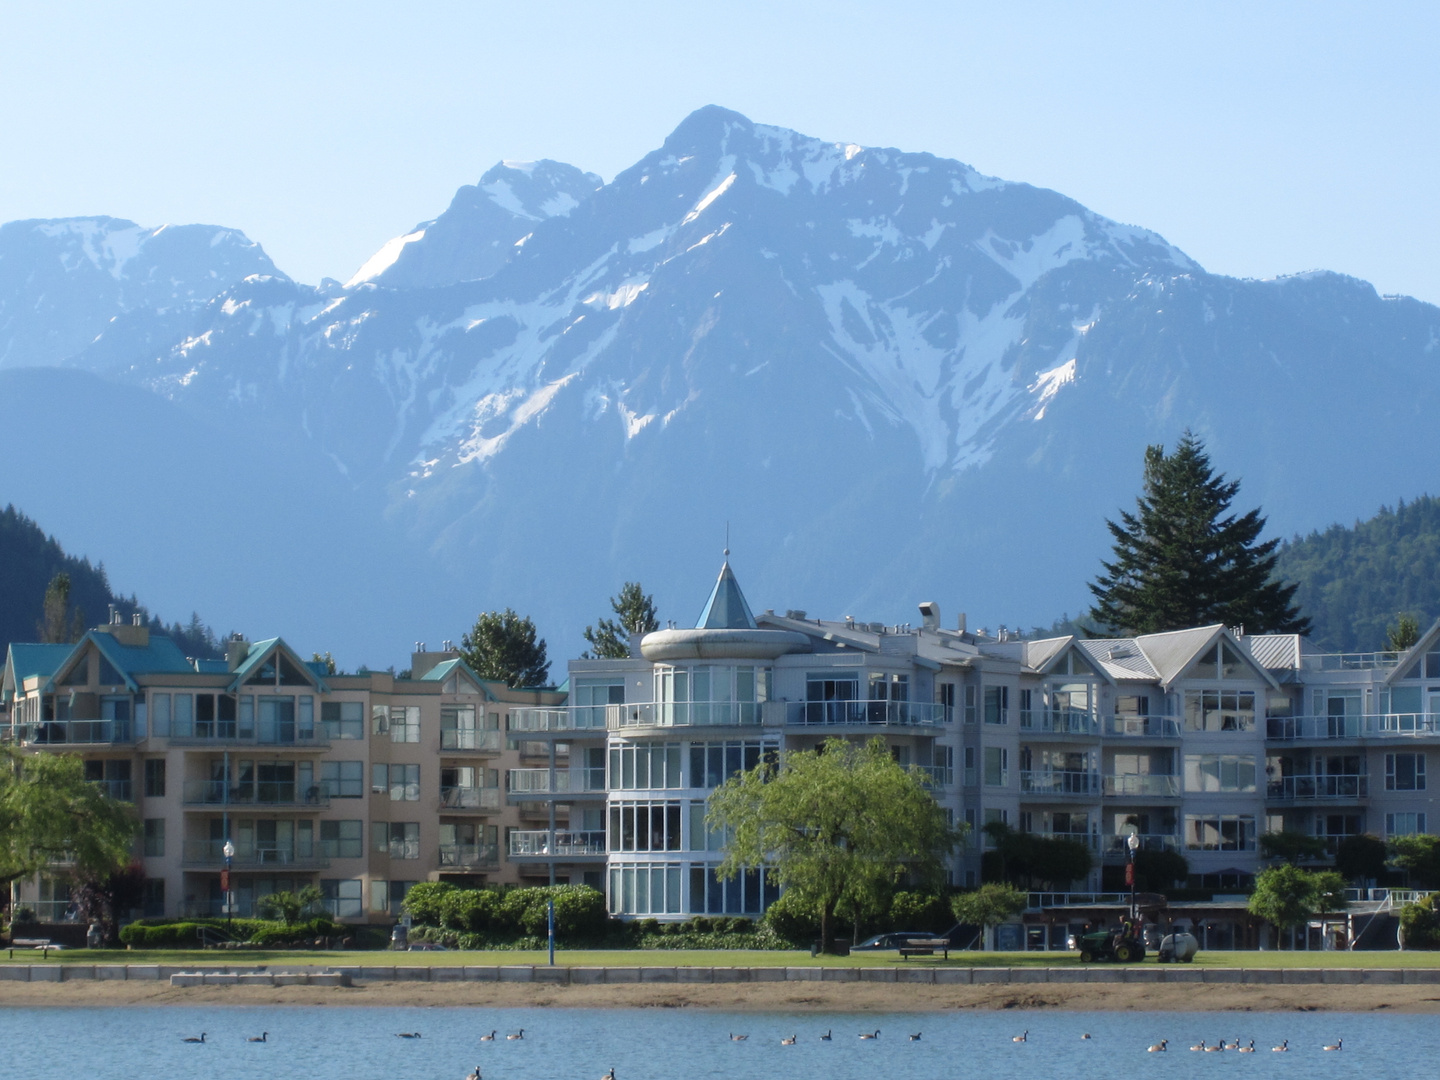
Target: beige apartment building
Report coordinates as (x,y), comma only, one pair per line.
(361,784)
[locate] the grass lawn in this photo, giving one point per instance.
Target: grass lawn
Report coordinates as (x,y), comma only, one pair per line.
(698,958)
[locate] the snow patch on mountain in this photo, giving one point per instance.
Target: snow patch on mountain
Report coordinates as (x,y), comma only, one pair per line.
(385,258)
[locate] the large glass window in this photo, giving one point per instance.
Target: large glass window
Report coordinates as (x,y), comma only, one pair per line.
(712,763)
(645,765)
(1219,710)
(1404,772)
(1220,832)
(343,779)
(1407,824)
(154,837)
(405,723)
(398,839)
(997,704)
(749,892)
(592,697)
(341,839)
(343,898)
(997,766)
(645,826)
(1219,772)
(711,694)
(343,719)
(401,781)
(154,778)
(646,889)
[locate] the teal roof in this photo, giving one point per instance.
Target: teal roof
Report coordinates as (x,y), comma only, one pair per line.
(161,656)
(29,659)
(260,651)
(443,670)
(726,609)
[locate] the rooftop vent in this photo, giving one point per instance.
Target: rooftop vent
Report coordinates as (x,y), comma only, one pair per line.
(135,619)
(795,613)
(930,615)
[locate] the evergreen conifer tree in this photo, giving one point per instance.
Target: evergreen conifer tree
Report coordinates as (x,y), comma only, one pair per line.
(1182,559)
(636,610)
(504,646)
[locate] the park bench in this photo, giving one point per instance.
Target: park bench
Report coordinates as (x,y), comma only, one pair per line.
(925,947)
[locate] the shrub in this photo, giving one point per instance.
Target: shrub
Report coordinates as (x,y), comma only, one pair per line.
(920,911)
(470,910)
(792,921)
(1420,924)
(276,936)
(425,901)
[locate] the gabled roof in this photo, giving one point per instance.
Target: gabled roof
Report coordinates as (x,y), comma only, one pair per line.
(1039,655)
(443,670)
(260,651)
(24,660)
(160,656)
(1427,643)
(1170,654)
(726,609)
(1118,658)
(1275,652)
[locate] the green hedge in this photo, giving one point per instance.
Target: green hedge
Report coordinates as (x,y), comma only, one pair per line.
(185,934)
(579,910)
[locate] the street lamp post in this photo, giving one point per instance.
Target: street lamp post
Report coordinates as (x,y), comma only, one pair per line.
(1133,844)
(229,850)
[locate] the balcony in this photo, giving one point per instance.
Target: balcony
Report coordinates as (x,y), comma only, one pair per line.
(75,733)
(533,783)
(1119,844)
(1148,786)
(1059,722)
(469,798)
(51,911)
(1344,787)
(668,714)
(469,856)
(224,733)
(935,776)
(1060,783)
(586,718)
(863,713)
(481,742)
(121,790)
(262,793)
(527,844)
(1143,727)
(210,855)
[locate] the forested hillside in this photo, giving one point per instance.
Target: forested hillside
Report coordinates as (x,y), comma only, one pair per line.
(1355,580)
(30,561)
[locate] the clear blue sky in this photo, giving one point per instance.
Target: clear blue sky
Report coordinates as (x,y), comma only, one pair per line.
(1260,138)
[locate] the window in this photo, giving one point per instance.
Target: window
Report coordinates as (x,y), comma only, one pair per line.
(343,779)
(1219,772)
(343,897)
(379,720)
(1220,832)
(710,694)
(1338,826)
(592,696)
(459,728)
(646,889)
(1027,699)
(970,707)
(154,778)
(160,708)
(1221,661)
(997,704)
(1404,824)
(945,698)
(1404,772)
(712,763)
(343,719)
(277,720)
(997,766)
(341,840)
(1132,705)
(645,765)
(154,837)
(645,826)
(152,898)
(405,723)
(398,839)
(1217,710)
(401,781)
(970,766)
(748,893)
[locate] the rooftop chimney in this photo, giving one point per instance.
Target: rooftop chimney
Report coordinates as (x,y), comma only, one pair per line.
(960,626)
(236,649)
(930,615)
(135,619)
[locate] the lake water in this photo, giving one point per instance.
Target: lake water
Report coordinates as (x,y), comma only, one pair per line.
(348,1043)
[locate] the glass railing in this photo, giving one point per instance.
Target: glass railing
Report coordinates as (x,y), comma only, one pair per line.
(538,842)
(122,790)
(1302,788)
(470,798)
(651,714)
(211,853)
(1059,722)
(75,733)
(1152,785)
(470,739)
(1143,727)
(226,732)
(1038,900)
(258,793)
(573,718)
(562,781)
(1368,726)
(874,713)
(935,776)
(1361,661)
(1119,844)
(1059,782)
(469,856)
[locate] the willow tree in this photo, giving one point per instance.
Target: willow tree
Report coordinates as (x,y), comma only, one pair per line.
(837,826)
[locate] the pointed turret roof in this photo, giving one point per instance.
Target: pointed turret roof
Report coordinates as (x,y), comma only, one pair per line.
(726,609)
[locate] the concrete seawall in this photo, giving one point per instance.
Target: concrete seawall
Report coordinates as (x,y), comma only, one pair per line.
(191,975)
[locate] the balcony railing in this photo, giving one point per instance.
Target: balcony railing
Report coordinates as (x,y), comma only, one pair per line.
(573,718)
(75,733)
(123,790)
(537,843)
(520,782)
(211,854)
(403,849)
(935,776)
(468,856)
(51,911)
(469,798)
(1149,786)
(1038,900)
(1119,844)
(1058,722)
(1143,727)
(232,733)
(663,714)
(470,739)
(864,713)
(1363,661)
(1059,782)
(1341,787)
(1369,726)
(258,793)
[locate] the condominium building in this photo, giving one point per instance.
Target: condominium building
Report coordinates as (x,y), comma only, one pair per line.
(361,784)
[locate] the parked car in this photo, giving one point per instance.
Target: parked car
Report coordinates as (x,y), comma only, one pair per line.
(427,946)
(893,940)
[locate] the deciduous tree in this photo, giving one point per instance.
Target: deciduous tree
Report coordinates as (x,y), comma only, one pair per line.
(989,905)
(1183,559)
(1286,896)
(503,646)
(841,824)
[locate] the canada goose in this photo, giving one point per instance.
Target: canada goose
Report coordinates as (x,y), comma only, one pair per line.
(407,1034)
(738,1038)
(876,1035)
(788,1042)
(1158,1048)
(262,1037)
(916,1036)
(1024,1036)
(1199,1046)
(488,1038)
(1216,1049)
(1245,1049)
(1336,1045)
(1085,1036)
(608,1076)
(193,1039)
(474,1075)
(516,1035)
(826,1036)
(1284,1046)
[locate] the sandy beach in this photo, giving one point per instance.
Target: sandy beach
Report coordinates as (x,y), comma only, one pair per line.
(759,997)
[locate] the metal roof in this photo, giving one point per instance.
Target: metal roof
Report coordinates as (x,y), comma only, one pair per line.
(726,609)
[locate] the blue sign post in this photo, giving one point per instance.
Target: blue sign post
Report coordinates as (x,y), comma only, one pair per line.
(550,913)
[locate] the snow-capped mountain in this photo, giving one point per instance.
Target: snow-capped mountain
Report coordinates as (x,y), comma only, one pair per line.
(896,378)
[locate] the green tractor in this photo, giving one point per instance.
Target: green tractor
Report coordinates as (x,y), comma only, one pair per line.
(1122,947)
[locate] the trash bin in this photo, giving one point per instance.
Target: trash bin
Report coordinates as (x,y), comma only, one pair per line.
(400,938)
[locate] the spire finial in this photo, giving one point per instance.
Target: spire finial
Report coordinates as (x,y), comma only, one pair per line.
(727,539)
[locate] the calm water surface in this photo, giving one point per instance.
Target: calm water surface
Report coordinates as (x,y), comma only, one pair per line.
(345,1043)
